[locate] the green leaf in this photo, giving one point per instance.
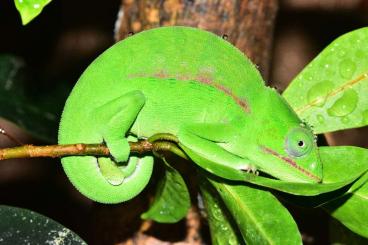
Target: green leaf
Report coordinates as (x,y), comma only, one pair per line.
(18,106)
(22,226)
(336,174)
(29,9)
(261,218)
(331,92)
(172,200)
(349,205)
(223,231)
(351,209)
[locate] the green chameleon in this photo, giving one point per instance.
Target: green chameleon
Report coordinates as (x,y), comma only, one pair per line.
(194,85)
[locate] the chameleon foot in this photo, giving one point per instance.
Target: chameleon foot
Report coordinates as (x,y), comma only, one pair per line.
(250,169)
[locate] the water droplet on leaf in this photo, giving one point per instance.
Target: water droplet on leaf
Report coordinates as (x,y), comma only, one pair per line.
(225,36)
(318,93)
(345,120)
(347,68)
(341,53)
(216,213)
(345,105)
(320,118)
(224,227)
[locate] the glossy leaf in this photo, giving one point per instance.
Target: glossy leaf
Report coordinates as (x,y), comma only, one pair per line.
(17,106)
(172,200)
(22,226)
(351,209)
(29,9)
(223,231)
(335,170)
(331,92)
(261,218)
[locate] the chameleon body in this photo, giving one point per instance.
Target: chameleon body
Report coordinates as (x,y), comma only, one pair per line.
(194,85)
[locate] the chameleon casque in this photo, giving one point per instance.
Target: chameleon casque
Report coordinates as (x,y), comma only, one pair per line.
(194,85)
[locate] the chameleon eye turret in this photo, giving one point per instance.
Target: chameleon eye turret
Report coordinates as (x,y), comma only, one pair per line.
(299,142)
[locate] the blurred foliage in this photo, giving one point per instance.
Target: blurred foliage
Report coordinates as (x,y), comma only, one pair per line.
(21,226)
(29,9)
(33,109)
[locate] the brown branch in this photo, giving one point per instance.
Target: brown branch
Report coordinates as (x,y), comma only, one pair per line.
(31,151)
(154,144)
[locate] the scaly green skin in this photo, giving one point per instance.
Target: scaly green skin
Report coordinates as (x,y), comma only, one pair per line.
(194,85)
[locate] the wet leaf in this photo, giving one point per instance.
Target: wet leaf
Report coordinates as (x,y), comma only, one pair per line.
(172,200)
(29,9)
(351,209)
(22,226)
(331,92)
(260,217)
(222,227)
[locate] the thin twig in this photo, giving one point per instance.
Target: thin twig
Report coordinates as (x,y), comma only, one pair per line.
(32,151)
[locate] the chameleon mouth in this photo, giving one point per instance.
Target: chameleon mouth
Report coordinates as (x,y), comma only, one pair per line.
(291,163)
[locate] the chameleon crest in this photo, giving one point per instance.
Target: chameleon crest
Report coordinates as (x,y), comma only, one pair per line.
(194,85)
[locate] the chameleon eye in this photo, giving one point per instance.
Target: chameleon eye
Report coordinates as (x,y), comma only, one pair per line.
(299,142)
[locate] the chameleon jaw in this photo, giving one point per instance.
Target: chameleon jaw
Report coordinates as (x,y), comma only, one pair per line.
(291,163)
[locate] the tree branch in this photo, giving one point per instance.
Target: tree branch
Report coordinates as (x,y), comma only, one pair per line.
(32,151)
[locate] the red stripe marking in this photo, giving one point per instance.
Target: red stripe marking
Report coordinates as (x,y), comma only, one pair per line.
(290,162)
(204,78)
(207,79)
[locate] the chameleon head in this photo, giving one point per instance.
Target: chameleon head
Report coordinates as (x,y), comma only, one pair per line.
(299,159)
(282,145)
